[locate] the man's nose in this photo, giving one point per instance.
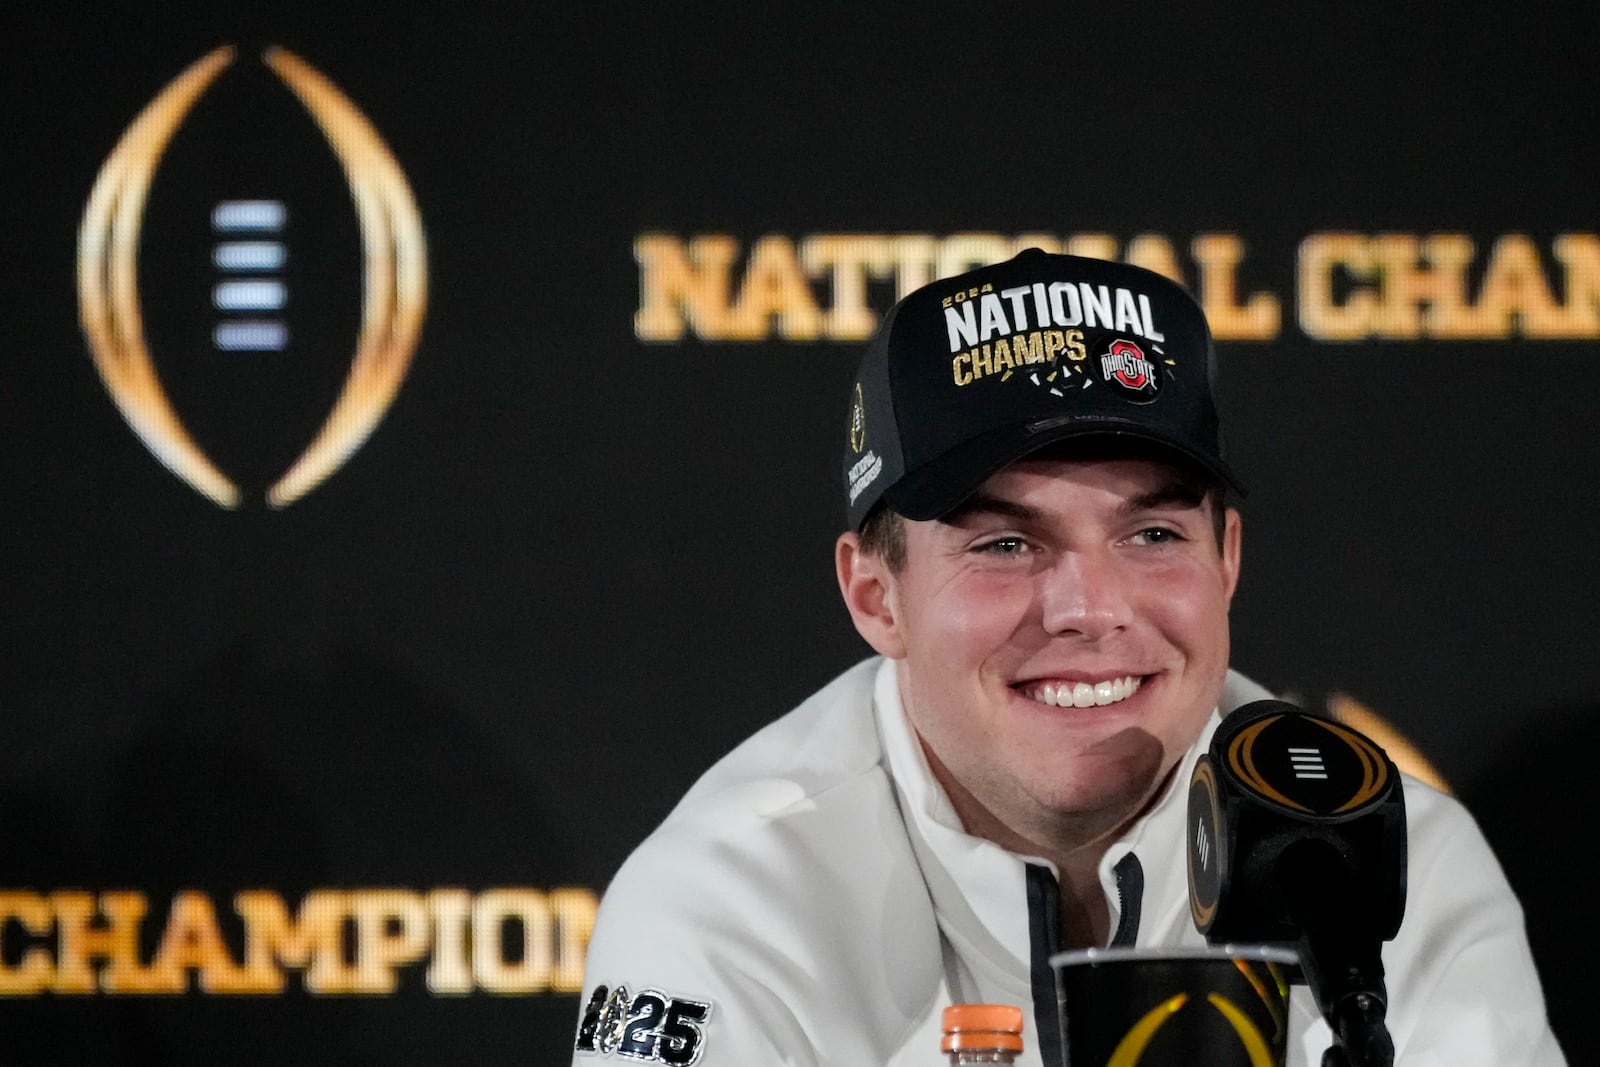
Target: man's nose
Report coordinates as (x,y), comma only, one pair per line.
(1085,592)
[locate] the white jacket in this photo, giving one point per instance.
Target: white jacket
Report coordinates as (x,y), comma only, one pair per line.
(814,901)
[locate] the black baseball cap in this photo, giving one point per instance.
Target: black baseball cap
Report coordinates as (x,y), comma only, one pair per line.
(972,372)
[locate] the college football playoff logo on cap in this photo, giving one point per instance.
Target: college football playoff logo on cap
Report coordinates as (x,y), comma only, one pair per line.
(250,252)
(858,421)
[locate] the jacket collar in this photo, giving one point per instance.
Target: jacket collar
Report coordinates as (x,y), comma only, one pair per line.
(979,888)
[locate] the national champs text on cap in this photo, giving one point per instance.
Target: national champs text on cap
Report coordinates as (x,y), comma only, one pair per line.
(972,372)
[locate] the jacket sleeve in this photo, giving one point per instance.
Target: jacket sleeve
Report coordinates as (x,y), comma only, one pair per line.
(669,981)
(774,927)
(1463,986)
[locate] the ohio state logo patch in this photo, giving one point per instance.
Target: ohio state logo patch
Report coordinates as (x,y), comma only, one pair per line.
(649,1026)
(1125,366)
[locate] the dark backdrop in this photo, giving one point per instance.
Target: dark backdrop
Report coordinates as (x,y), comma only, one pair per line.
(570,567)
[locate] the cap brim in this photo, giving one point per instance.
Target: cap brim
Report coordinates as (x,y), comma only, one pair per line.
(935,489)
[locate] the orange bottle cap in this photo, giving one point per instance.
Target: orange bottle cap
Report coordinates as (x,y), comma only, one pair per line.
(982,1026)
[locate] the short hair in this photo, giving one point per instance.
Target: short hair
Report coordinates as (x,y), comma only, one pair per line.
(883,534)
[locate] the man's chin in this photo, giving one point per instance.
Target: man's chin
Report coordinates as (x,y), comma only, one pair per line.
(1125,766)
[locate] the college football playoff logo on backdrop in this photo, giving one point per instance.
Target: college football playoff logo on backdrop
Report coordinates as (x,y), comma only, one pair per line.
(250,253)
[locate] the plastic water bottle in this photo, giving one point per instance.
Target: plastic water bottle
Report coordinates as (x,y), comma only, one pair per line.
(982,1033)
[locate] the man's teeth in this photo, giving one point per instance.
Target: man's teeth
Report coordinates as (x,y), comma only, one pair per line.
(1086,694)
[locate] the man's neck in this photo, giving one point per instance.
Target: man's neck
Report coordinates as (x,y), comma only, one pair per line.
(1074,849)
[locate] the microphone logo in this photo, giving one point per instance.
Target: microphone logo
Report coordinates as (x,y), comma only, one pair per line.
(251,254)
(1275,775)
(1202,845)
(1280,756)
(1205,823)
(1307,763)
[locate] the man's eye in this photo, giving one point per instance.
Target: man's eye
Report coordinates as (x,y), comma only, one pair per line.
(1004,546)
(1156,535)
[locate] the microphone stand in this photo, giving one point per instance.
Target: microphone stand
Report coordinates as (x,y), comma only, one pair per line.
(1308,822)
(1339,956)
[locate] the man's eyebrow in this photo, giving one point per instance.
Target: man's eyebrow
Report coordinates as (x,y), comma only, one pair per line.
(1181,494)
(1172,494)
(981,503)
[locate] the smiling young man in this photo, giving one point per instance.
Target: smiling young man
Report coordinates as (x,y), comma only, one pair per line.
(1042,551)
(1061,638)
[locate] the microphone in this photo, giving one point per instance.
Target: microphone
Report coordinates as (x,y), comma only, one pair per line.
(1297,837)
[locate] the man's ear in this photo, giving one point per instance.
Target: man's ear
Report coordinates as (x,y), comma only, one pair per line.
(1232,550)
(868,588)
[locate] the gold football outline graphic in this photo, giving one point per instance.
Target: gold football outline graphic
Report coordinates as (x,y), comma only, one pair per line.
(394,279)
(1131,1049)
